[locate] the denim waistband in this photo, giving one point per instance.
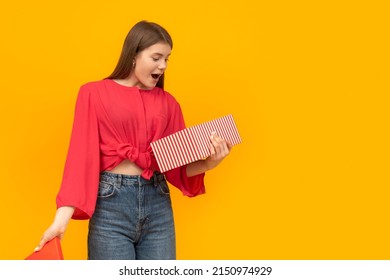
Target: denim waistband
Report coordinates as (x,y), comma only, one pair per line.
(128,179)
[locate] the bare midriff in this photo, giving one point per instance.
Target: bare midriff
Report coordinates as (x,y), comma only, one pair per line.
(126,167)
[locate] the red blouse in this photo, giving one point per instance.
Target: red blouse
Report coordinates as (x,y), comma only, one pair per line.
(113,122)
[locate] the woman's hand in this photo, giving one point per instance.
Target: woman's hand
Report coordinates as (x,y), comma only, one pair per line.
(219,149)
(58,228)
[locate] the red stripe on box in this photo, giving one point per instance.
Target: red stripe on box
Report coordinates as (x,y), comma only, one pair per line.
(204,137)
(181,149)
(175,150)
(187,144)
(191,144)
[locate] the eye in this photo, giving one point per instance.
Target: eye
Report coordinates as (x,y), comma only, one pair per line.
(155,59)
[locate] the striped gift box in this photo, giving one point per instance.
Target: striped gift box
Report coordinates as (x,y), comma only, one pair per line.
(192,144)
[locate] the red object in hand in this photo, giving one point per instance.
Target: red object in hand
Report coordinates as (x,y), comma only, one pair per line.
(51,251)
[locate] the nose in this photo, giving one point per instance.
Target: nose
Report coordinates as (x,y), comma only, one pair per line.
(163,65)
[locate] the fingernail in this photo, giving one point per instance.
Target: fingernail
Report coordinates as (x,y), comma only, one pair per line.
(36,249)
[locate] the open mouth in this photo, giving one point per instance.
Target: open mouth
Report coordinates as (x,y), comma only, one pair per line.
(156,76)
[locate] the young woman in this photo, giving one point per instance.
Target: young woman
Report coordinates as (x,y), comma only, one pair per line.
(111,176)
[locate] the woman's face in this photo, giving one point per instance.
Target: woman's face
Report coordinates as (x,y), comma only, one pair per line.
(150,64)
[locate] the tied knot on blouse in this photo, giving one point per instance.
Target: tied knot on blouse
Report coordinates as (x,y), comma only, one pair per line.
(144,160)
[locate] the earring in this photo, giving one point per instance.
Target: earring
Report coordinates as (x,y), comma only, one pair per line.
(133,63)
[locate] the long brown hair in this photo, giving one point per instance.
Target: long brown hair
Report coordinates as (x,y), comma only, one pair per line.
(141,36)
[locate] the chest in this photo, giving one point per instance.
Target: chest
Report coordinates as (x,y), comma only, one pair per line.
(135,112)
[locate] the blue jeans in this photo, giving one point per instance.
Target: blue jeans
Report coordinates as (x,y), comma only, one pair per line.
(133,219)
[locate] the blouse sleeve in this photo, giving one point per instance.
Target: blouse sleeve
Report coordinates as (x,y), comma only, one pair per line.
(81,173)
(190,186)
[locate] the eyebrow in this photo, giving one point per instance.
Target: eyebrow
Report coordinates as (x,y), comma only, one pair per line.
(160,54)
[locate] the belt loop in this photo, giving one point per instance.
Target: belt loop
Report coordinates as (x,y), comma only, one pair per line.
(162,177)
(155,179)
(119,180)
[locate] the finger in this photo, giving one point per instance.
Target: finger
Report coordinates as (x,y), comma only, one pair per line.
(212,150)
(216,137)
(213,140)
(222,147)
(45,238)
(229,145)
(225,149)
(41,244)
(216,141)
(213,136)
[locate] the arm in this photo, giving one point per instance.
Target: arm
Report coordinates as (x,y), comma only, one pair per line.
(58,227)
(80,179)
(219,149)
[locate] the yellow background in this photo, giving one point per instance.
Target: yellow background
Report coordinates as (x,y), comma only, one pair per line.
(306,81)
